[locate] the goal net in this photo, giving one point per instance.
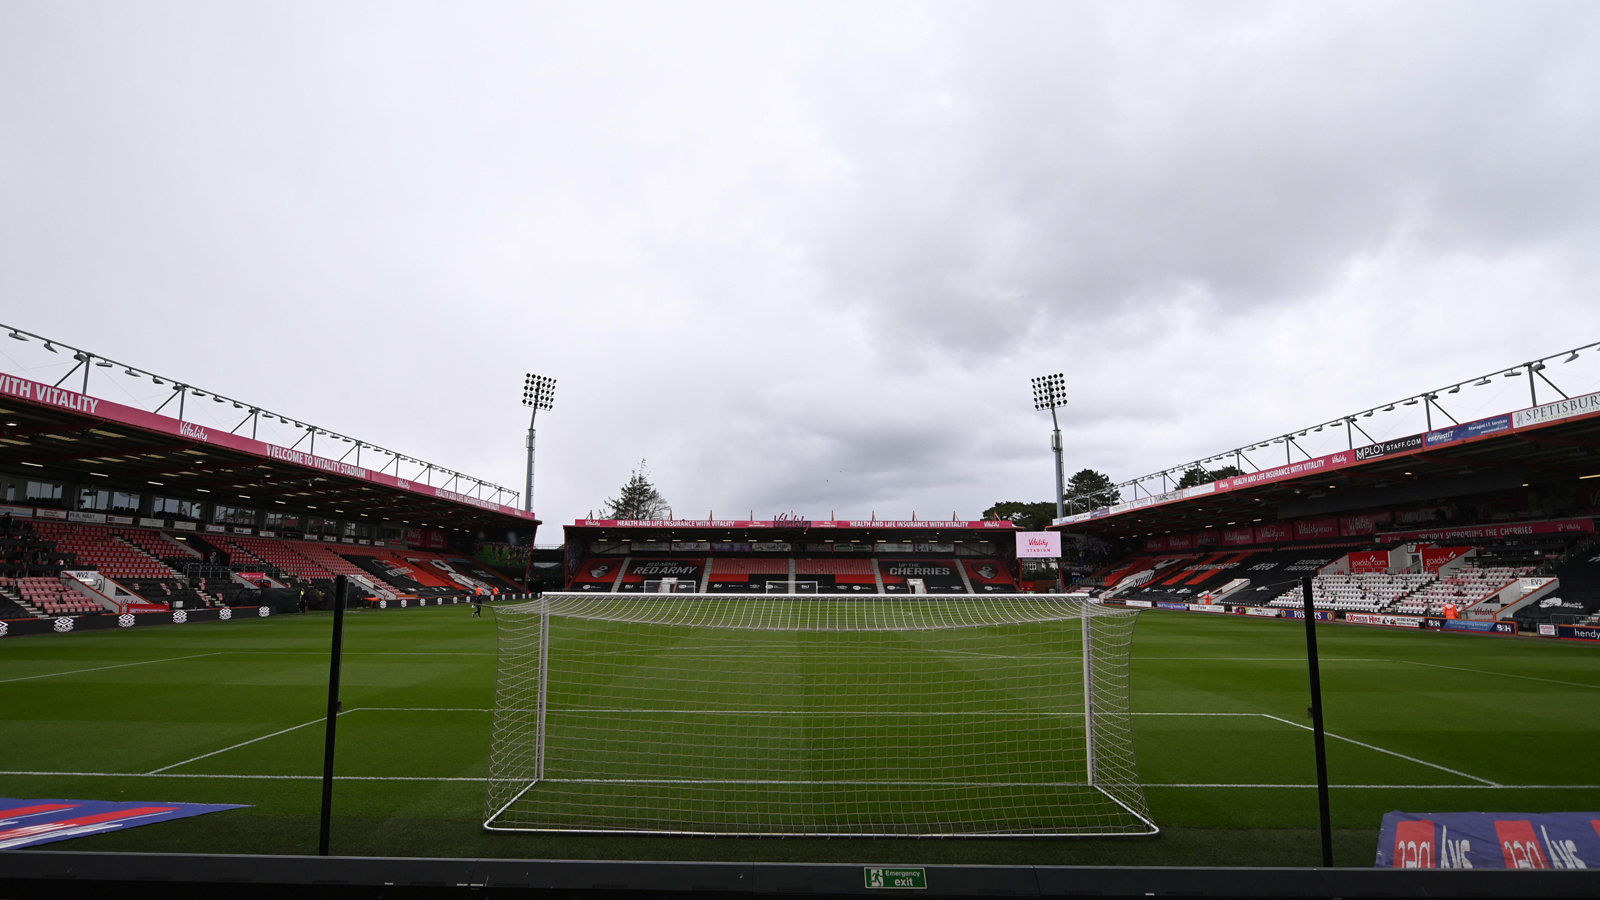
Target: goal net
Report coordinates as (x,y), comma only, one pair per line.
(822,715)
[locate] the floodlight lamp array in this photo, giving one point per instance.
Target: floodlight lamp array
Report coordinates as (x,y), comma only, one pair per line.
(539,392)
(1049,391)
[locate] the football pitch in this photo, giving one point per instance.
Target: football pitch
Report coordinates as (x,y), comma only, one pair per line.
(231,712)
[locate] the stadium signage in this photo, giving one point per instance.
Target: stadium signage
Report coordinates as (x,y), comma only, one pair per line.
(1146,604)
(1389,448)
(916,570)
(913,879)
(1038,544)
(1207,607)
(1438,624)
(24,389)
(1484,532)
(1468,430)
(193,431)
(1263,611)
(1162,604)
(1390,621)
(1578,632)
(1571,408)
(1478,840)
(792,523)
(1316,528)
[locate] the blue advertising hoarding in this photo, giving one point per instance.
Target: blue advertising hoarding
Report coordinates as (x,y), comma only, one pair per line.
(1468,430)
(1480,840)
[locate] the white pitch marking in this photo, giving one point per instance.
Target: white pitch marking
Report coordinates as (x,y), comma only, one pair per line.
(244,777)
(103,668)
(1403,787)
(1409,662)
(1390,752)
(240,744)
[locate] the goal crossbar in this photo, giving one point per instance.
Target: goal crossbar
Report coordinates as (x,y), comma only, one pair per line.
(828,715)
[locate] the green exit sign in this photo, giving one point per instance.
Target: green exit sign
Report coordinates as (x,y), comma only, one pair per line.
(896,878)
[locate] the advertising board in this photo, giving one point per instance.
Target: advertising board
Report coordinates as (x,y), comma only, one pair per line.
(1162,604)
(1238,537)
(1363,524)
(1273,532)
(1390,621)
(1368,561)
(1309,529)
(1207,607)
(1389,448)
(1438,624)
(1146,604)
(1468,430)
(1484,840)
(1265,612)
(1038,545)
(1322,614)
(1578,632)
(1570,408)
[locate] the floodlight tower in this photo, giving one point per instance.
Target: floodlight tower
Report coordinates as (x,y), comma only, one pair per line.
(1050,392)
(538,392)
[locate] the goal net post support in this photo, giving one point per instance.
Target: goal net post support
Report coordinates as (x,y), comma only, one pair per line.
(827,715)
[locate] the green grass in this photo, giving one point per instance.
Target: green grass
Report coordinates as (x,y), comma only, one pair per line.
(1446,722)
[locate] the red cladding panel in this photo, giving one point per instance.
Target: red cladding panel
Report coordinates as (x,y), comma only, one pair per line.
(1434,557)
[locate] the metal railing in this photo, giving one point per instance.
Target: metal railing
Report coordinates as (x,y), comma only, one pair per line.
(85,362)
(1428,401)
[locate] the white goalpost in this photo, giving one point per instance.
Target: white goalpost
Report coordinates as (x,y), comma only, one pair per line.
(837,715)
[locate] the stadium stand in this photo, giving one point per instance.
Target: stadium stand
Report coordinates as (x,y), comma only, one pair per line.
(106,550)
(51,597)
(735,574)
(1577,600)
(1364,592)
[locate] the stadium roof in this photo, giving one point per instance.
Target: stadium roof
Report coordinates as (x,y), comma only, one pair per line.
(1539,445)
(706,526)
(82,438)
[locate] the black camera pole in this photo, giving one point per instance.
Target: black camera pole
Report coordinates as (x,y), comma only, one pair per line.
(341,587)
(1316,724)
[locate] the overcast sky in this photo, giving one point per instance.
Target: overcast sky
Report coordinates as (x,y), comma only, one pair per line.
(804,257)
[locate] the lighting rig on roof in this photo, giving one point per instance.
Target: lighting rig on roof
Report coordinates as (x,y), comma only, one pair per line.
(1534,369)
(253,414)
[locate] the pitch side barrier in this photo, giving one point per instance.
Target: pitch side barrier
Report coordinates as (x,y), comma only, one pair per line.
(53,873)
(79,624)
(1584,633)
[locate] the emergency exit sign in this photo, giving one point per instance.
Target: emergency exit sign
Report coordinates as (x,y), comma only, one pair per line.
(914,879)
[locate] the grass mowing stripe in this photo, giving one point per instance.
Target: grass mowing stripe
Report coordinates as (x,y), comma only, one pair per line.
(143,662)
(1423,762)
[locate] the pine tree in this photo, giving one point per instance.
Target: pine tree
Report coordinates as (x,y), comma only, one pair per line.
(638,499)
(1092,490)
